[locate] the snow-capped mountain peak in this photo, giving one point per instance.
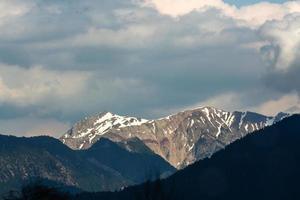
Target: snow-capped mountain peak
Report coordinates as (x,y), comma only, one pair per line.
(181,138)
(109,120)
(99,125)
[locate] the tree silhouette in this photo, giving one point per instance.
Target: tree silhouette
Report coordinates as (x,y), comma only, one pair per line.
(37,192)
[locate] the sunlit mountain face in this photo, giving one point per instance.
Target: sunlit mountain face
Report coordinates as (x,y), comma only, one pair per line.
(181,139)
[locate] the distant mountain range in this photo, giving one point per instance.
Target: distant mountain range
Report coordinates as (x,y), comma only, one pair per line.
(107,166)
(180,139)
(263,165)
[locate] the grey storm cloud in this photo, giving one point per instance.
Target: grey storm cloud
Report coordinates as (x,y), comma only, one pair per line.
(283,54)
(285,82)
(67,59)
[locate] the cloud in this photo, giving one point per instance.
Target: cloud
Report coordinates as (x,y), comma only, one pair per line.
(257,14)
(285,103)
(223,101)
(277,24)
(251,15)
(63,60)
(284,37)
(12,8)
(234,101)
(135,36)
(284,82)
(180,7)
(227,101)
(282,53)
(23,87)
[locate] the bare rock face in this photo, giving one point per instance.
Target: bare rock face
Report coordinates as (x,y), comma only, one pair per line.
(181,139)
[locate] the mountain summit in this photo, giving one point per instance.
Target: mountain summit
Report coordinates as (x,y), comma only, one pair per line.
(181,139)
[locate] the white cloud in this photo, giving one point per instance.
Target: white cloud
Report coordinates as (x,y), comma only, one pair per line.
(228,101)
(251,15)
(128,59)
(232,101)
(135,36)
(23,87)
(257,14)
(285,35)
(182,7)
(13,8)
(282,104)
(277,25)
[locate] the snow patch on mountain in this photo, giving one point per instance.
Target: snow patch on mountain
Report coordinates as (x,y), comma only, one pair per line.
(101,125)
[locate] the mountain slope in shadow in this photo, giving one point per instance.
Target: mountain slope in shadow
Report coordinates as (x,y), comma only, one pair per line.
(106,166)
(263,165)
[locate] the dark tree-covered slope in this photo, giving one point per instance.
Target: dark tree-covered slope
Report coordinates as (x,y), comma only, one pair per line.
(106,166)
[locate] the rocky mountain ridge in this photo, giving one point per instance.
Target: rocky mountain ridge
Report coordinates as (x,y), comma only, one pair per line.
(181,139)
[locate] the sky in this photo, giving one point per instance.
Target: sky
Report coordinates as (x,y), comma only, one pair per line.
(63,60)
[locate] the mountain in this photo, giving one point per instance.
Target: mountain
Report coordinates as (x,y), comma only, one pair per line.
(263,165)
(107,166)
(181,139)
